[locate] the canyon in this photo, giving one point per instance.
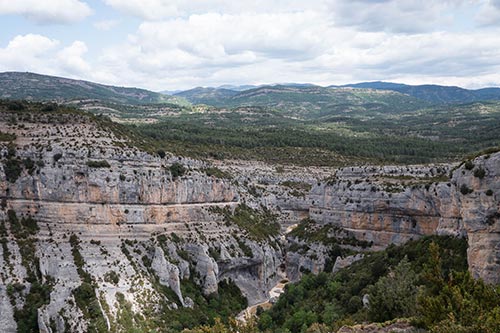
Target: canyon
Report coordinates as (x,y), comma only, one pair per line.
(111,213)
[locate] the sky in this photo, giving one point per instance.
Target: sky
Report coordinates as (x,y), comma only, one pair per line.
(180,44)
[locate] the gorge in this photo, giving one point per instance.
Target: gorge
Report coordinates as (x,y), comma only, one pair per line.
(106,231)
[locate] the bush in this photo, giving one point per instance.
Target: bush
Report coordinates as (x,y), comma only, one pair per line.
(464,189)
(112,277)
(217,173)
(57,157)
(7,136)
(479,173)
(16,106)
(469,165)
(161,153)
(177,170)
(12,169)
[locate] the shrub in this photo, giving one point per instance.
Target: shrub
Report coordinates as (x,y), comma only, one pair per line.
(112,277)
(177,170)
(57,157)
(469,165)
(12,169)
(7,136)
(16,106)
(479,173)
(457,303)
(217,173)
(464,189)
(161,153)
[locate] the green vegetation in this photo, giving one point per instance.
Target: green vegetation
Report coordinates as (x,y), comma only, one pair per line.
(226,304)
(13,166)
(464,189)
(332,299)
(35,293)
(85,294)
(217,173)
(7,137)
(335,238)
(177,170)
(259,224)
(12,169)
(19,85)
(335,138)
(455,302)
(479,173)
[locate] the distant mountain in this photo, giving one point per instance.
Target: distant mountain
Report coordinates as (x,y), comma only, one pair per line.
(31,86)
(210,96)
(249,86)
(433,93)
(307,101)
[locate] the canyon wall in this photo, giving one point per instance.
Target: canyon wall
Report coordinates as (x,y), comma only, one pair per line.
(391,205)
(118,218)
(131,223)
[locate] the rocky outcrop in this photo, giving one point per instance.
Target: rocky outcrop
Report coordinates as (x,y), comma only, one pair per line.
(391,205)
(117,216)
(138,226)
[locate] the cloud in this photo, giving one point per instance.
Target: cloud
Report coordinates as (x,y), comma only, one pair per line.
(37,53)
(237,43)
(152,10)
(213,49)
(398,16)
(71,61)
(222,40)
(489,14)
(47,11)
(27,53)
(105,25)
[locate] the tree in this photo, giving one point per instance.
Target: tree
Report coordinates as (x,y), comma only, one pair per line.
(394,295)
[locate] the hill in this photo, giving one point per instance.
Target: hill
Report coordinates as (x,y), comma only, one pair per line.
(210,96)
(307,101)
(434,93)
(37,87)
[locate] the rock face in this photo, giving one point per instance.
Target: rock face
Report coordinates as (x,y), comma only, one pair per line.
(120,218)
(385,205)
(114,215)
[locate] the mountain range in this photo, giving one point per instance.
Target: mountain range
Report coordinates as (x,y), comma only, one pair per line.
(32,86)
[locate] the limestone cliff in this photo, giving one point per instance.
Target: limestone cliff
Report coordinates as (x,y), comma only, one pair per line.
(386,205)
(96,229)
(111,224)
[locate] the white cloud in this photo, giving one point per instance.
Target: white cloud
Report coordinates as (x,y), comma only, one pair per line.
(71,61)
(47,11)
(105,25)
(212,49)
(27,53)
(37,53)
(164,9)
(400,16)
(236,42)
